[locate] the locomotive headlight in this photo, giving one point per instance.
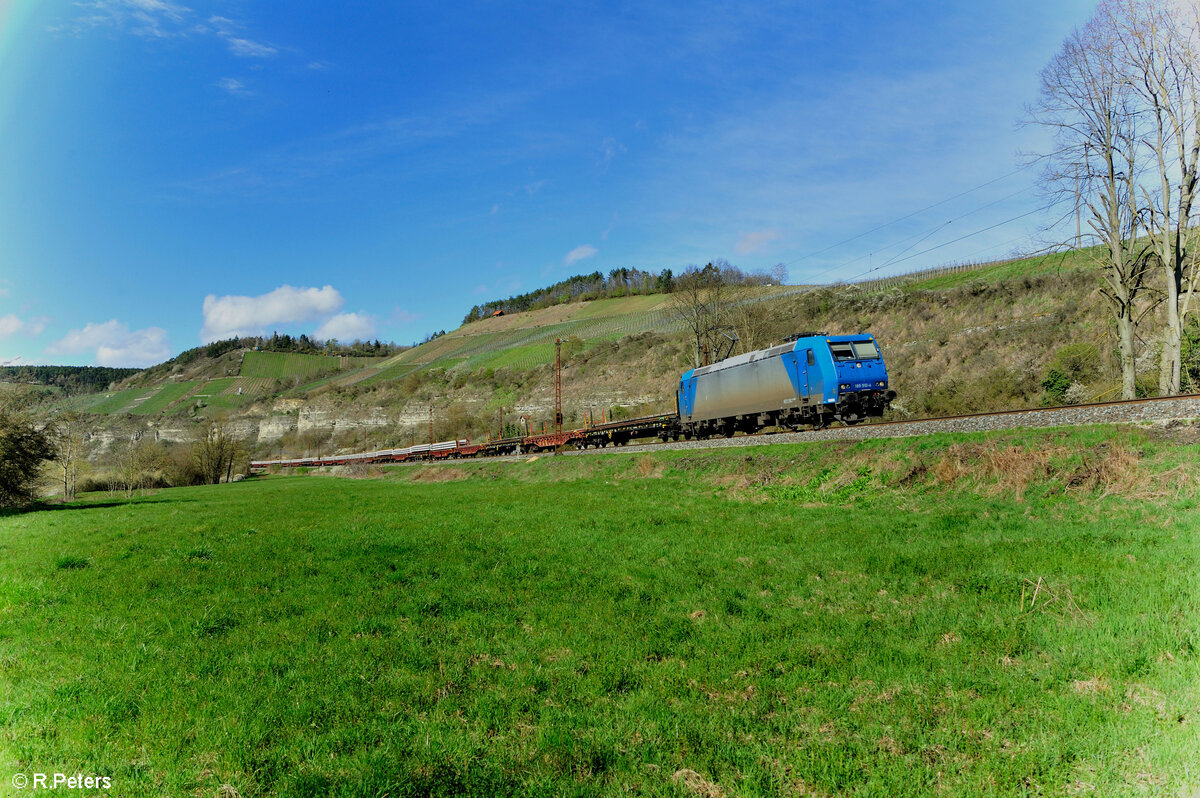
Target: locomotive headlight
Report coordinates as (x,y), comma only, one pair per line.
(881,384)
(845,386)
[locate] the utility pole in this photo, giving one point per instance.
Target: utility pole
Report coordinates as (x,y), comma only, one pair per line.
(431,425)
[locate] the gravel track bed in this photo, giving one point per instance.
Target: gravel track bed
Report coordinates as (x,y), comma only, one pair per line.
(1158,410)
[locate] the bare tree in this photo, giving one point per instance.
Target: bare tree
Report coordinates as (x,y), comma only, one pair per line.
(214,451)
(1094,113)
(752,319)
(67,436)
(702,300)
(1161,61)
(136,461)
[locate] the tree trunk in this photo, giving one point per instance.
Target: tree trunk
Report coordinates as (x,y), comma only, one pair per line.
(1125,338)
(1169,377)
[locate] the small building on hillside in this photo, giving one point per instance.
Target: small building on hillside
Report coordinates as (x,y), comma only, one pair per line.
(496,313)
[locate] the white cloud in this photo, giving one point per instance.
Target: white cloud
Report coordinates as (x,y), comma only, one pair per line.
(233,86)
(158,19)
(229,316)
(579,253)
(245,48)
(116,345)
(346,327)
(750,243)
(11,325)
(147,18)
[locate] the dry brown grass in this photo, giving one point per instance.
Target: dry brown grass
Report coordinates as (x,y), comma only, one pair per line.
(1047,599)
(1097,684)
(696,784)
(1014,468)
(1111,469)
(439,474)
(649,468)
(951,467)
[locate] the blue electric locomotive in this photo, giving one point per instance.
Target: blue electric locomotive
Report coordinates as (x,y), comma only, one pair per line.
(813,380)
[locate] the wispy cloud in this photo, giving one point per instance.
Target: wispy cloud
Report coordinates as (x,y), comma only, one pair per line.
(158,19)
(579,253)
(534,187)
(152,19)
(610,148)
(313,158)
(229,316)
(115,344)
(233,86)
(604,235)
(11,325)
(244,48)
(402,316)
(755,242)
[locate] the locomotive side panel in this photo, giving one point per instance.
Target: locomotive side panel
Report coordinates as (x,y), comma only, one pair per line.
(757,386)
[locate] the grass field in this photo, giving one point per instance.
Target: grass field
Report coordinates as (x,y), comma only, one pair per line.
(283,365)
(169,394)
(116,402)
(1005,615)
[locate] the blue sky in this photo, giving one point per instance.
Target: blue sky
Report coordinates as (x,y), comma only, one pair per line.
(174,172)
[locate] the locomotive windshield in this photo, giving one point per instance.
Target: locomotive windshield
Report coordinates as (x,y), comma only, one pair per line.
(865,349)
(854,350)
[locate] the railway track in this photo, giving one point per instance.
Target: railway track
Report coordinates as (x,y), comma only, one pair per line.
(1129,411)
(1132,411)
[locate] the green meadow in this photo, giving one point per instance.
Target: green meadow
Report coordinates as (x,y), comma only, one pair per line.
(1013,614)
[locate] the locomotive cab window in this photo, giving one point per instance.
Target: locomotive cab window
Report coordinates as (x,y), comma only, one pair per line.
(842,350)
(812,359)
(864,350)
(854,350)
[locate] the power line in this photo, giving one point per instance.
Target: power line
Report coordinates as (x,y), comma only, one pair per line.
(956,240)
(908,216)
(922,237)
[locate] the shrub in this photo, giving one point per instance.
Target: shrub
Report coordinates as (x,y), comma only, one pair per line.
(23,449)
(1055,384)
(1079,361)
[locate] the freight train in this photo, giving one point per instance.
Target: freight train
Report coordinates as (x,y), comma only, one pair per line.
(812,380)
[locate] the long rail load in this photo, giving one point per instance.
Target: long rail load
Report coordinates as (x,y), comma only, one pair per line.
(812,380)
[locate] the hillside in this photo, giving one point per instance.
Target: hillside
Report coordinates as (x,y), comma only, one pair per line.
(992,336)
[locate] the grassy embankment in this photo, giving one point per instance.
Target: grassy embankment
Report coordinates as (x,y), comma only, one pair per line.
(976,615)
